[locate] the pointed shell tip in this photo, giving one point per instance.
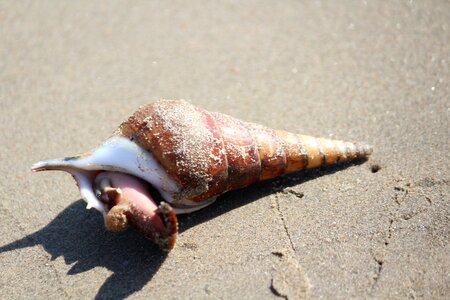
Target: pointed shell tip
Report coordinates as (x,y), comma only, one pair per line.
(368,149)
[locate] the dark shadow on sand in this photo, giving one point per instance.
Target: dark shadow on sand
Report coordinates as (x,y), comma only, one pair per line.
(238,198)
(78,235)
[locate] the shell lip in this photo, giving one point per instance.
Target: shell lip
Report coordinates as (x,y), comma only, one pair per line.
(120,154)
(117,154)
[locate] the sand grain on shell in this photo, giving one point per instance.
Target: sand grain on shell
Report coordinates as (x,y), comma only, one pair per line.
(192,140)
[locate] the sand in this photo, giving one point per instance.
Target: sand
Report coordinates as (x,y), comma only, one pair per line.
(365,71)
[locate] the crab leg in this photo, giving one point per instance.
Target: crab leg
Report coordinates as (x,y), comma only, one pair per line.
(130,203)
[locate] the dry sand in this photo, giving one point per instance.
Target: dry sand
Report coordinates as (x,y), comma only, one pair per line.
(373,71)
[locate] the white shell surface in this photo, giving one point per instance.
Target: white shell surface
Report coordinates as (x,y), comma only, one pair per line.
(115,154)
(121,155)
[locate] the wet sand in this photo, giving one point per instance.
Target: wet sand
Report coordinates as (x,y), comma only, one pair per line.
(366,71)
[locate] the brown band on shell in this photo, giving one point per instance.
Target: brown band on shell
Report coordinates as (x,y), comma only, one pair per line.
(218,166)
(296,157)
(322,153)
(340,150)
(329,151)
(302,151)
(272,153)
(185,141)
(361,150)
(350,150)
(243,159)
(357,151)
(315,158)
(188,148)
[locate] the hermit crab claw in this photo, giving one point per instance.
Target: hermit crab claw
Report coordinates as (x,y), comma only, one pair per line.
(127,186)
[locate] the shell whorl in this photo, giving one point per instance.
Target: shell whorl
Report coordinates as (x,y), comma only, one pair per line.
(211,153)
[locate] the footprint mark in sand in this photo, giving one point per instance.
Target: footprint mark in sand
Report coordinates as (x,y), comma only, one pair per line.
(289,280)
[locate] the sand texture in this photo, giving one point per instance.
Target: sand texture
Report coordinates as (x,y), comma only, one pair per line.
(362,71)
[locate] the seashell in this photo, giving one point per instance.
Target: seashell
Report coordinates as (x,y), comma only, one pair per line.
(182,157)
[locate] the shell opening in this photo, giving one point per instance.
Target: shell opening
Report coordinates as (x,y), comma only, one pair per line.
(117,154)
(128,200)
(122,155)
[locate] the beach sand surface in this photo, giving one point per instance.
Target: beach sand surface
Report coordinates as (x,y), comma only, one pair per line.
(368,71)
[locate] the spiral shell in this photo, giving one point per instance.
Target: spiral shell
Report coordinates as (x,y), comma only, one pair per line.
(187,156)
(208,153)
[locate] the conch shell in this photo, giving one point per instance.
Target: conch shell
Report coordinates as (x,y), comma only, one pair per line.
(182,157)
